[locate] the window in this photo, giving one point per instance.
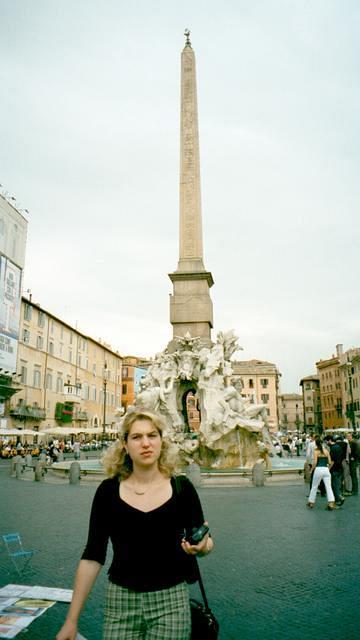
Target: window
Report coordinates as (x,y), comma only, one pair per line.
(94,394)
(85,391)
(23,375)
(59,385)
(264,382)
(125,372)
(79,360)
(124,389)
(265,398)
(39,342)
(51,348)
(26,336)
(27,312)
(37,378)
(71,338)
(52,326)
(94,370)
(70,355)
(41,319)
(251,383)
(49,381)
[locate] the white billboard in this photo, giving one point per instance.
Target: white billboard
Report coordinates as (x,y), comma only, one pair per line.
(13,231)
(10,304)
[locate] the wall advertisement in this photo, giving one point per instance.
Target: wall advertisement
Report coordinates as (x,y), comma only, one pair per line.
(10,304)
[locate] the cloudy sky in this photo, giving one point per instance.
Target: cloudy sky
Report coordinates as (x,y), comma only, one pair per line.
(89,143)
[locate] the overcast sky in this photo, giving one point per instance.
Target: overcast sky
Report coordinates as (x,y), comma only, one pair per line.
(89,143)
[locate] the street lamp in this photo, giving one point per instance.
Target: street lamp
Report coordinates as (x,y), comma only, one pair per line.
(104,392)
(350,412)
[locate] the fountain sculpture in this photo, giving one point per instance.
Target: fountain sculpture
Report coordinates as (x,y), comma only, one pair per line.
(230,426)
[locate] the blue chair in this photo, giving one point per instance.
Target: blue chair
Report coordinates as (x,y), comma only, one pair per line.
(18,556)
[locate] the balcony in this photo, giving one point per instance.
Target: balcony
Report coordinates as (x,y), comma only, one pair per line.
(26,412)
(80,415)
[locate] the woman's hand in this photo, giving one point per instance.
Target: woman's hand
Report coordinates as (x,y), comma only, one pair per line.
(68,631)
(201,549)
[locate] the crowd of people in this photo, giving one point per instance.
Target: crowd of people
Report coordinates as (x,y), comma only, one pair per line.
(333,463)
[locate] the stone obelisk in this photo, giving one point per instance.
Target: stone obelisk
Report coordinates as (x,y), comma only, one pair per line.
(190,304)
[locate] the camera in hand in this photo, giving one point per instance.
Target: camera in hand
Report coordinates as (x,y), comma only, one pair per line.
(197,535)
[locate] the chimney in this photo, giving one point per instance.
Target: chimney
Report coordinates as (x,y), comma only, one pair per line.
(339,350)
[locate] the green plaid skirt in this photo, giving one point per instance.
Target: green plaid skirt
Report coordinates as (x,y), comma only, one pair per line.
(150,615)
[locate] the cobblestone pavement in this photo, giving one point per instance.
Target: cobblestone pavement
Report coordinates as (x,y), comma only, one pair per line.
(278,572)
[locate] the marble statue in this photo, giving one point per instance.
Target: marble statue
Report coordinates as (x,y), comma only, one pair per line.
(230,427)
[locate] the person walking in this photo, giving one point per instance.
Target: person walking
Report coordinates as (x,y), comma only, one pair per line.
(321,465)
(336,455)
(148,519)
(353,462)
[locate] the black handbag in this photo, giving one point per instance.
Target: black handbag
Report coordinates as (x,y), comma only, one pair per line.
(204,625)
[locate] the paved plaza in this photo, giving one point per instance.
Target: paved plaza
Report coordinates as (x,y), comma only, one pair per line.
(278,571)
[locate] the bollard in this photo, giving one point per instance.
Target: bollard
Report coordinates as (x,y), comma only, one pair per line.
(83,456)
(39,471)
(18,468)
(13,466)
(28,460)
(307,474)
(42,457)
(74,474)
(193,472)
(258,475)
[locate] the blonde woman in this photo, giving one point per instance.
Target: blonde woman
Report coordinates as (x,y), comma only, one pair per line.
(140,508)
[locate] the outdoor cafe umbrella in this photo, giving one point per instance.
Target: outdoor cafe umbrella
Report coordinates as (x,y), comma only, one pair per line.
(10,432)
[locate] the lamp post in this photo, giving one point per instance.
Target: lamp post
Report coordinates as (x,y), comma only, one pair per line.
(104,392)
(350,411)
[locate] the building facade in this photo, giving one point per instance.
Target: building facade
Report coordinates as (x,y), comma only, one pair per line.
(260,385)
(331,391)
(66,378)
(350,383)
(133,370)
(291,413)
(311,404)
(13,232)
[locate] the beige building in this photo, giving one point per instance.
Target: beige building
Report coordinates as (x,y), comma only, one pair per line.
(311,404)
(64,375)
(349,365)
(291,413)
(260,385)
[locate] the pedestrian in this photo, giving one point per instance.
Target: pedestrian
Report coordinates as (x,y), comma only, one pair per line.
(140,507)
(76,448)
(336,455)
(353,462)
(321,465)
(346,481)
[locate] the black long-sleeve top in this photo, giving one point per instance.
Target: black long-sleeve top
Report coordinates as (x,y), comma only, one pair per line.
(146,546)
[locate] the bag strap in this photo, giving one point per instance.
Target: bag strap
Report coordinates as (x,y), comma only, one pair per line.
(179,493)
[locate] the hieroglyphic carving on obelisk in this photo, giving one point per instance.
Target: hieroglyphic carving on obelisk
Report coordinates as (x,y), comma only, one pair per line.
(191,248)
(190,305)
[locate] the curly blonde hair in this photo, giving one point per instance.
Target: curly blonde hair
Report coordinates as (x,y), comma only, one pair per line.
(117,462)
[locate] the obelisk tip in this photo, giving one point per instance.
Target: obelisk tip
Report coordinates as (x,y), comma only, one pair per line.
(187,36)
